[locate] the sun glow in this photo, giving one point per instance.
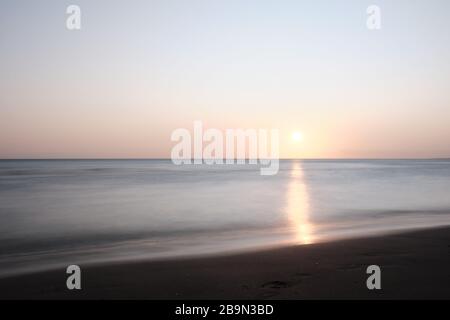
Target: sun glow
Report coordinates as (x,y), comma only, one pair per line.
(297,136)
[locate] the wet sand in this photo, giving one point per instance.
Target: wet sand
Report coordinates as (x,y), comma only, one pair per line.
(414,265)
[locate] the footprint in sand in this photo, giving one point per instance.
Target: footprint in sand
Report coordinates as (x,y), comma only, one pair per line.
(276,284)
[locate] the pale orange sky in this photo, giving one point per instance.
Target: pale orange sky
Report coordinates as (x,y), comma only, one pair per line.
(118,87)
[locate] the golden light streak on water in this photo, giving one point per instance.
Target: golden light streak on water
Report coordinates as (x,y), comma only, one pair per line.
(298,207)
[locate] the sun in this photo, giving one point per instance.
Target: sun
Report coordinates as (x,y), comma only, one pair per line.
(297,136)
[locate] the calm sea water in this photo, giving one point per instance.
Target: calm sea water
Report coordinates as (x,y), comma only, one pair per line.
(59,212)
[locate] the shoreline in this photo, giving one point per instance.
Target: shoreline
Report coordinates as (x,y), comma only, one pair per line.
(414,265)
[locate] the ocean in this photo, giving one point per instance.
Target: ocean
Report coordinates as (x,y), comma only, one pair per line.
(54,213)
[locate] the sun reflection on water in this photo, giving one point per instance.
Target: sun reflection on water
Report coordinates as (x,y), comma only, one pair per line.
(297,207)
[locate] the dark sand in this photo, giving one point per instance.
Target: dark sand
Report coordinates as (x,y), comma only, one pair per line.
(414,265)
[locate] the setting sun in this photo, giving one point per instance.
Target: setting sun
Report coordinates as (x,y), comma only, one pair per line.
(297,136)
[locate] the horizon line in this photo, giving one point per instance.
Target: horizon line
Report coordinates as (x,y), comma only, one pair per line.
(224,159)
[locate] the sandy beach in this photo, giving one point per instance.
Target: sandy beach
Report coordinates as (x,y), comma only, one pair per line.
(414,265)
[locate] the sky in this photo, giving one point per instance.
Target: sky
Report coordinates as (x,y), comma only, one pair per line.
(138,70)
